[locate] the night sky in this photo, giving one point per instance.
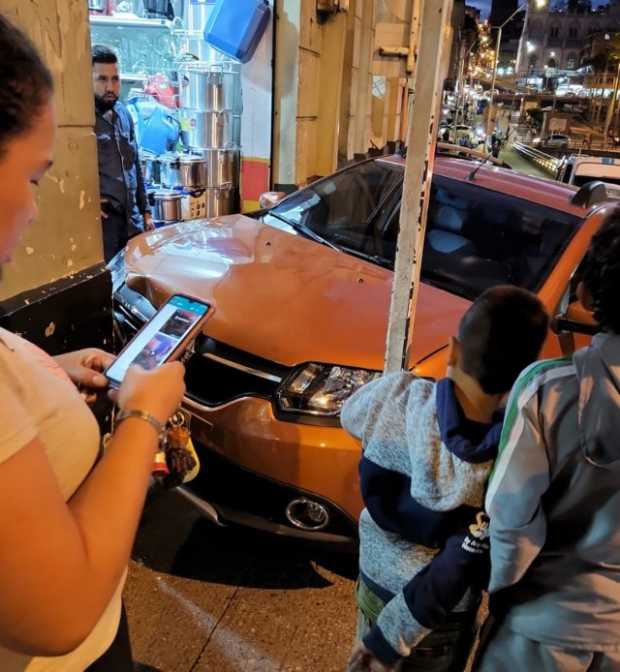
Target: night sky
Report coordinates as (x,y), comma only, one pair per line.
(485,5)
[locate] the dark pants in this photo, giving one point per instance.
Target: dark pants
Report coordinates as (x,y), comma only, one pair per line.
(115,235)
(445,649)
(118,657)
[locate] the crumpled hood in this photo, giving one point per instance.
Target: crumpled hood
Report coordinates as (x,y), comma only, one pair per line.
(598,373)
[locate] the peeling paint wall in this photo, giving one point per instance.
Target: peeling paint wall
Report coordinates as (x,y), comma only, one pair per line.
(66,237)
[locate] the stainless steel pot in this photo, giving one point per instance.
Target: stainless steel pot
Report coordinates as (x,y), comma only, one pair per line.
(222,166)
(150,168)
(207,129)
(196,13)
(193,172)
(220,202)
(170,171)
(167,206)
(209,88)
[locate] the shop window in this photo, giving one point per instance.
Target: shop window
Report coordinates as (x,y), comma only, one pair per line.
(571,61)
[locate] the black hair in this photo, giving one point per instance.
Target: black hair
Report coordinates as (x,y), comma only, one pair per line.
(500,335)
(601,274)
(103,54)
(25,83)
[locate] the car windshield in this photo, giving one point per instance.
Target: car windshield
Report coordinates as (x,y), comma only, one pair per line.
(342,208)
(476,238)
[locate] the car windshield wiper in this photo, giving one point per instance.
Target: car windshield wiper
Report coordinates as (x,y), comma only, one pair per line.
(306,230)
(374,258)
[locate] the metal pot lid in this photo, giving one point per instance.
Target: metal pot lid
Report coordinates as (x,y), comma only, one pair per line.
(169,158)
(191,159)
(167,195)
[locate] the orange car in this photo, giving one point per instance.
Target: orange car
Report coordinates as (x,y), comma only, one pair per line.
(302,294)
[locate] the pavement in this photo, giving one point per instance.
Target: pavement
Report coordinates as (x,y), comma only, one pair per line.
(201,598)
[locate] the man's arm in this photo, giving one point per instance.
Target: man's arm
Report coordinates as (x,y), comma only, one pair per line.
(520,479)
(141,199)
(427,600)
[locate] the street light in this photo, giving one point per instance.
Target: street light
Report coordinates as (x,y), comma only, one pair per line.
(540,4)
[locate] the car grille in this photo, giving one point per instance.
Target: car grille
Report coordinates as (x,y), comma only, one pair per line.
(216,373)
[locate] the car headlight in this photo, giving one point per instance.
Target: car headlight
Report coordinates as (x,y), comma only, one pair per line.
(320,389)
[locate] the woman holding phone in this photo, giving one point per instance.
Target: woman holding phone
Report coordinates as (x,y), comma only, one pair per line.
(67,521)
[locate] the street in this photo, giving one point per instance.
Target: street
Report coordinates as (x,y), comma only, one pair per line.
(201,598)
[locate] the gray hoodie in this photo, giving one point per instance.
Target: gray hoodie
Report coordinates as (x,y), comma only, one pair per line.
(554,502)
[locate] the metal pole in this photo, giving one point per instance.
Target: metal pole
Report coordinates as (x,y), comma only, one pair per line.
(612,106)
(497,48)
(421,141)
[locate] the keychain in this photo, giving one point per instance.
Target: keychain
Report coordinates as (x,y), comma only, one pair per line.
(181,457)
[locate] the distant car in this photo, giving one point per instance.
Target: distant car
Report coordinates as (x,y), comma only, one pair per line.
(558,141)
(464,135)
(302,296)
(553,141)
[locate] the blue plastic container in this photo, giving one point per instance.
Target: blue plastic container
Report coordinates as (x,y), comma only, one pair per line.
(235,27)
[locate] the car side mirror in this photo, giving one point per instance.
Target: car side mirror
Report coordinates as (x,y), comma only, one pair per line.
(269,199)
(575,320)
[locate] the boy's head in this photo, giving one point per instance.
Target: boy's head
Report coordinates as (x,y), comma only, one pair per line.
(499,336)
(600,281)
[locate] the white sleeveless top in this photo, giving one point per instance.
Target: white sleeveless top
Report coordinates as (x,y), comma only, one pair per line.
(37,399)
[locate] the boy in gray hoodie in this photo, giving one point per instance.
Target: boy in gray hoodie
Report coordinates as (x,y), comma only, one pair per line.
(428,449)
(554,498)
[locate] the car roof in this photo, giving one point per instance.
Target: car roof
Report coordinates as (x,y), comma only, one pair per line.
(538,190)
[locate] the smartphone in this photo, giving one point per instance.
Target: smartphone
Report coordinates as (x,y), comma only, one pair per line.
(163,338)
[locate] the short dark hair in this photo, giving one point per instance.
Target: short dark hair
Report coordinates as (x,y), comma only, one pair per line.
(500,335)
(601,274)
(26,83)
(103,54)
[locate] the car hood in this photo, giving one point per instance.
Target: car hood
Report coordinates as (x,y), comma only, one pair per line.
(280,296)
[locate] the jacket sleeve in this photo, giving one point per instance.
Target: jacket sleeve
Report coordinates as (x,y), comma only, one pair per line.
(427,600)
(141,199)
(520,479)
(356,411)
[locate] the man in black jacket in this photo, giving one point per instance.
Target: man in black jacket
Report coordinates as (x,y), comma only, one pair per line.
(124,207)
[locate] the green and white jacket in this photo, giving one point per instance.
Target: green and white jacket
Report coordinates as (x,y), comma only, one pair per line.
(554,502)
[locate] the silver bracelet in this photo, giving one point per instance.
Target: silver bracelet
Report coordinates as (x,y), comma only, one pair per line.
(142,415)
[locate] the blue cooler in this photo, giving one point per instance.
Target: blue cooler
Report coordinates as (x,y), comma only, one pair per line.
(235,27)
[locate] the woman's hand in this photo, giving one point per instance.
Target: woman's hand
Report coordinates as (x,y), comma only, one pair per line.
(158,392)
(85,368)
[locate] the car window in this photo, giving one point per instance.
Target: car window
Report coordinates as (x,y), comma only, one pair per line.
(477,238)
(343,207)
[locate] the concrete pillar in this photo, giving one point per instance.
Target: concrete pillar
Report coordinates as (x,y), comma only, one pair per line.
(66,238)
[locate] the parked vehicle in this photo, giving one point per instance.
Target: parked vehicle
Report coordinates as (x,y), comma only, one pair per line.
(581,169)
(554,141)
(302,295)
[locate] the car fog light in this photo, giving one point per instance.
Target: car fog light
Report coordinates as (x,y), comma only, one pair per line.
(307,514)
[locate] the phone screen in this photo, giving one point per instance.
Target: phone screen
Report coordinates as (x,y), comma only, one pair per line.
(160,337)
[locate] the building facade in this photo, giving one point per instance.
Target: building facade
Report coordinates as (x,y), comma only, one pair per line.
(553,38)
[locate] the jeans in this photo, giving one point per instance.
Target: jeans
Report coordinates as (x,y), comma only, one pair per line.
(446,649)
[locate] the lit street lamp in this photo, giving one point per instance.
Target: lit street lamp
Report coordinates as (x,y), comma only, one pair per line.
(540,4)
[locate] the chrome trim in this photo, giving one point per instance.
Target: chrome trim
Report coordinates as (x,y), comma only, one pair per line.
(241,367)
(196,405)
(305,501)
(208,510)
